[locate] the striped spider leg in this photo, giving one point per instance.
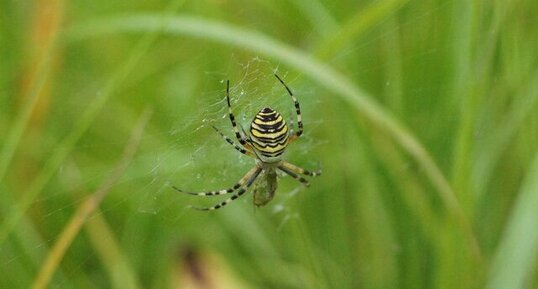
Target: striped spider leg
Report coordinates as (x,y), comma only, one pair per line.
(243,184)
(242,140)
(296,135)
(295,172)
(230,141)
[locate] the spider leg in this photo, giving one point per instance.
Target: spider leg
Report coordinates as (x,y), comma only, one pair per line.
(299,132)
(238,135)
(249,144)
(239,184)
(299,170)
(257,171)
(294,175)
(230,141)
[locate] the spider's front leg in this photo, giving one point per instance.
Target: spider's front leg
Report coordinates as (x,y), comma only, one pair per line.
(238,185)
(295,172)
(300,170)
(257,170)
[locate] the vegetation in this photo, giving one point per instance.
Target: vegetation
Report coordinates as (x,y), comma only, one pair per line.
(422,115)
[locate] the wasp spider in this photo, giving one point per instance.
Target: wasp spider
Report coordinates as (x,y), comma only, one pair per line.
(268,138)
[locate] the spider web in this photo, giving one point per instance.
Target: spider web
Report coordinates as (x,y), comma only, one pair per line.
(200,160)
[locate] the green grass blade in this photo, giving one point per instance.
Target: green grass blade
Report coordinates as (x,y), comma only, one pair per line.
(472,89)
(517,253)
(359,23)
(17,130)
(489,156)
(318,15)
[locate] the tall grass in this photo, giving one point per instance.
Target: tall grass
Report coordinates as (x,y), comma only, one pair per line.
(421,114)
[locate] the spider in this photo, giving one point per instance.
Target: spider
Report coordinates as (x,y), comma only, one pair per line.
(269,136)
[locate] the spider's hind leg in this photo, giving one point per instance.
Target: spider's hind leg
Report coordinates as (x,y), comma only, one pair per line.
(230,141)
(238,135)
(297,111)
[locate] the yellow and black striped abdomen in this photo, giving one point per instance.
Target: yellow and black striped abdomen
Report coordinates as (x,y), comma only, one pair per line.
(269,134)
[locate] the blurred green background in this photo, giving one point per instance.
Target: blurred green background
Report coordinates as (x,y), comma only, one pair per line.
(422,115)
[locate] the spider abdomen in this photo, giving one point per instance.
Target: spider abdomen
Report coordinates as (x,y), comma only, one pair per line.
(269,134)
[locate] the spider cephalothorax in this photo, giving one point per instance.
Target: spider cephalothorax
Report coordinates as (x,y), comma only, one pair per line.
(269,136)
